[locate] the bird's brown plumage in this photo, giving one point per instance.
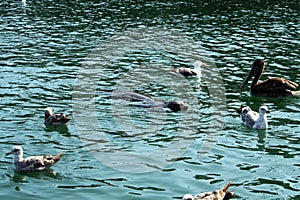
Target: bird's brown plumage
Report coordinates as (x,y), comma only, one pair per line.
(273,87)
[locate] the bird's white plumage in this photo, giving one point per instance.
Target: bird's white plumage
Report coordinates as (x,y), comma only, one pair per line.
(32,163)
(188,197)
(187,72)
(253,119)
(222,194)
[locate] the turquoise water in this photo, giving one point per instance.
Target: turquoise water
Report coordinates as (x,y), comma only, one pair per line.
(69,54)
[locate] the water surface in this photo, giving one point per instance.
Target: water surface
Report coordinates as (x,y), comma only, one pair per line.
(45,44)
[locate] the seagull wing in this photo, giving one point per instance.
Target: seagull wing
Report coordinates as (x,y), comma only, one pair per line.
(61,118)
(216,195)
(187,72)
(243,111)
(37,163)
(250,118)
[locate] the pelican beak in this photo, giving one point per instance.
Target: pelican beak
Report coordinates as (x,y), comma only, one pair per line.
(250,75)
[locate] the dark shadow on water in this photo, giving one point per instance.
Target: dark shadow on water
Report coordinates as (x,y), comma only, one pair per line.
(261,134)
(63,129)
(279,103)
(18,177)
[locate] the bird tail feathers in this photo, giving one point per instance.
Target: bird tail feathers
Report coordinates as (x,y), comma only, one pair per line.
(296,93)
(225,188)
(239,110)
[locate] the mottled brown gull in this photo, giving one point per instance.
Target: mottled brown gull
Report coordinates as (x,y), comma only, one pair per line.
(222,194)
(55,119)
(32,163)
(187,72)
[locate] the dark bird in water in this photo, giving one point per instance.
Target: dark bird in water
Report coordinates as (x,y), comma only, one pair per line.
(149,102)
(32,163)
(222,194)
(55,119)
(176,105)
(273,87)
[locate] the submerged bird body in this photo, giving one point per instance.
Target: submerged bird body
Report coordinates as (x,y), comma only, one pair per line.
(149,102)
(176,105)
(187,72)
(55,119)
(222,194)
(253,119)
(273,87)
(32,163)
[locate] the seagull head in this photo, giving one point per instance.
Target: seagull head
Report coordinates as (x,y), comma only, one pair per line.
(16,150)
(198,64)
(48,111)
(263,110)
(188,197)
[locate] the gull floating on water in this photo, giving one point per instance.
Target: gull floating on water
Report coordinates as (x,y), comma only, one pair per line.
(222,194)
(253,119)
(55,119)
(187,72)
(32,163)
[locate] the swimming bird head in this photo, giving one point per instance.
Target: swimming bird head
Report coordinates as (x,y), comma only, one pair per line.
(263,110)
(198,64)
(48,112)
(256,70)
(176,105)
(16,150)
(188,197)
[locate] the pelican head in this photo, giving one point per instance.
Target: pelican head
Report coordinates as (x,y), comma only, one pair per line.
(188,197)
(256,70)
(16,150)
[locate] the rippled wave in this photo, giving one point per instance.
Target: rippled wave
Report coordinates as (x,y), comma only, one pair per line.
(44,44)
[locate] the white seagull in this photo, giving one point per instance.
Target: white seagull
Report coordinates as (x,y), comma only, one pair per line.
(222,194)
(55,119)
(253,119)
(32,163)
(187,72)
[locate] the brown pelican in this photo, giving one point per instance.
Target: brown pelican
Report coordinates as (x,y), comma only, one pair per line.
(222,194)
(32,163)
(273,87)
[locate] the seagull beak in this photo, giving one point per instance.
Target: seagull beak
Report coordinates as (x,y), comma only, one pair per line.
(8,153)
